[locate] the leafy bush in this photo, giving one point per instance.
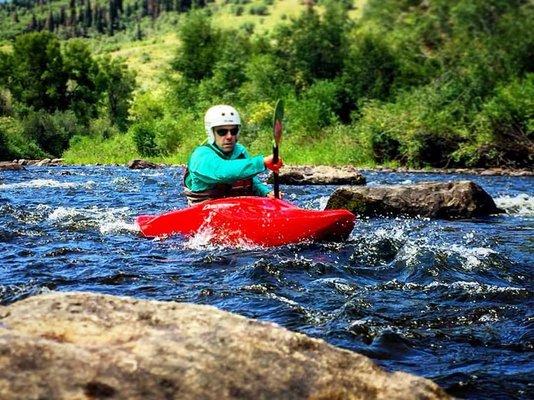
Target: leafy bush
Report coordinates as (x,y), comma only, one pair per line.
(504,128)
(17,144)
(145,139)
(259,10)
(317,108)
(51,132)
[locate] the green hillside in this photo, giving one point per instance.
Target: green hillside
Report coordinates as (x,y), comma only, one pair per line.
(396,82)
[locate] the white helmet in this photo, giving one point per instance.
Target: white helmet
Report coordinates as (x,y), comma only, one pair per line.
(220,115)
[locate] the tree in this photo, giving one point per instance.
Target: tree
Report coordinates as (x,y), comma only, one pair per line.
(200,47)
(313,47)
(38,79)
(369,73)
(117,84)
(82,73)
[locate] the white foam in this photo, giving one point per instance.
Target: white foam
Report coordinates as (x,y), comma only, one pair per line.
(474,256)
(46,183)
(522,204)
(109,220)
(118,226)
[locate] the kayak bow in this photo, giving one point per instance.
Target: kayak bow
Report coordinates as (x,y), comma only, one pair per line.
(257,220)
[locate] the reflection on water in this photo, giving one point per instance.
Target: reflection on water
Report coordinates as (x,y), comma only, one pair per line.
(449,300)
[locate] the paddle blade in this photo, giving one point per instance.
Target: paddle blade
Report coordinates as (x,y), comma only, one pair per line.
(277,121)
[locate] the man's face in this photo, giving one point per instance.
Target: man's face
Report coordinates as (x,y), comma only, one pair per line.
(226,137)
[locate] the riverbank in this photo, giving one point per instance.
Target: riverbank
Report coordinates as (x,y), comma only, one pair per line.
(497,171)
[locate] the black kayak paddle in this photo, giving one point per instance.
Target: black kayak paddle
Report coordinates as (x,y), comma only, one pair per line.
(277,137)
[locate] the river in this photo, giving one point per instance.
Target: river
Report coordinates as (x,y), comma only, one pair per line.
(449,300)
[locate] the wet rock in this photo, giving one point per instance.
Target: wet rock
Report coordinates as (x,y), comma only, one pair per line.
(81,345)
(10,166)
(461,199)
(44,162)
(142,164)
(320,175)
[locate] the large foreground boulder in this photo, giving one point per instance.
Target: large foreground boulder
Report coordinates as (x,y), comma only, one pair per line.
(320,175)
(462,199)
(90,346)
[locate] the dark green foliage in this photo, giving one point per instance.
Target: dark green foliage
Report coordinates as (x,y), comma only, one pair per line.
(38,78)
(313,47)
(117,84)
(145,140)
(369,72)
(200,48)
(5,153)
(81,71)
(259,10)
(51,131)
(385,147)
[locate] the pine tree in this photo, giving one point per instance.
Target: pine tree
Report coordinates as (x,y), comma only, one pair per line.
(88,16)
(112,17)
(99,19)
(33,25)
(62,16)
(72,17)
(50,23)
(144,8)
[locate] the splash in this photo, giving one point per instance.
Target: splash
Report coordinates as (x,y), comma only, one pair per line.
(111,220)
(46,183)
(522,204)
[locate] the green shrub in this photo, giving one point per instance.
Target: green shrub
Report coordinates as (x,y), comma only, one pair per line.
(51,132)
(504,128)
(259,10)
(17,144)
(317,108)
(145,139)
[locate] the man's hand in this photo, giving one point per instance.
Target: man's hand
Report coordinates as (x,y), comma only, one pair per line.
(275,167)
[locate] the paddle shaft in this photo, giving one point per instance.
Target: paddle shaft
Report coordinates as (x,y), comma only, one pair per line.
(275,174)
(277,136)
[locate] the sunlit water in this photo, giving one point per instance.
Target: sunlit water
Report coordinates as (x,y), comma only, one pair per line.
(448,300)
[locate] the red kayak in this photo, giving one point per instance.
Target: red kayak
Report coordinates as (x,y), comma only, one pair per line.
(256,220)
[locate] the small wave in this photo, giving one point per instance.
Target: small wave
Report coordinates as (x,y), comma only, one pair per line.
(470,288)
(46,183)
(106,220)
(12,293)
(522,204)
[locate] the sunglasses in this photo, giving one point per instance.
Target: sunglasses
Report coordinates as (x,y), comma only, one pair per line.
(222,131)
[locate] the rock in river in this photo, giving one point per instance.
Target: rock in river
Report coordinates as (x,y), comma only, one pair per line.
(10,166)
(92,346)
(462,199)
(320,175)
(142,164)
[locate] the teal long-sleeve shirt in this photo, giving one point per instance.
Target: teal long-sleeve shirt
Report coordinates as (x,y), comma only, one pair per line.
(209,166)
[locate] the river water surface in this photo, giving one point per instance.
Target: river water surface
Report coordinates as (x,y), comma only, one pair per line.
(448,300)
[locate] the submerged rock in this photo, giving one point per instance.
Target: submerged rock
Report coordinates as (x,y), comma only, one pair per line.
(142,164)
(84,346)
(462,199)
(320,175)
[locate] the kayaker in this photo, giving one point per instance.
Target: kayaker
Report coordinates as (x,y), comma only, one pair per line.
(222,167)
